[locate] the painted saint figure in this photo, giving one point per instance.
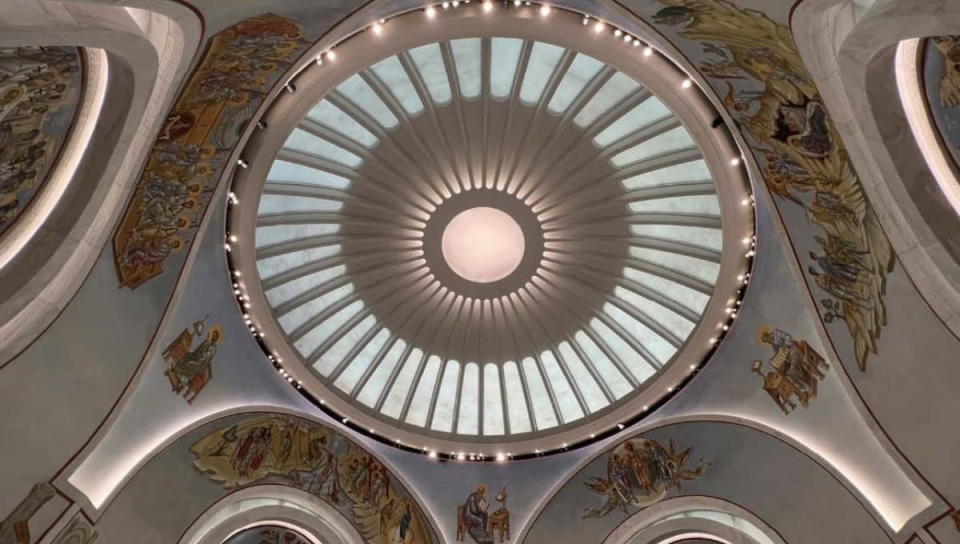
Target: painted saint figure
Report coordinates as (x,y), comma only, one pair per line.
(474,517)
(191,369)
(796,369)
(640,473)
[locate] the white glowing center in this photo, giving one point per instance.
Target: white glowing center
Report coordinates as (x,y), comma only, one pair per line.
(483,244)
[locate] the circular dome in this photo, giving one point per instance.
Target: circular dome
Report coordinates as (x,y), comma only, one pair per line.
(495,230)
(483,244)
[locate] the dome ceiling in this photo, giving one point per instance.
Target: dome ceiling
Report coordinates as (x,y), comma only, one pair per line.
(487,238)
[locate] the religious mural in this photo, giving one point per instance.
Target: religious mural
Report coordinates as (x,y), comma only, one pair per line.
(267,535)
(795,369)
(941,77)
(190,359)
(949,88)
(240,66)
(802,158)
(15,528)
(79,531)
(475,520)
(296,452)
(640,473)
(40,90)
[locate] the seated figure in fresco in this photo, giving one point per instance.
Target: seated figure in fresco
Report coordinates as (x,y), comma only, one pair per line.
(474,516)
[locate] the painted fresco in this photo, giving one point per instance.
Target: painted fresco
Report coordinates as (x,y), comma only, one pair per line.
(793,372)
(475,520)
(942,83)
(640,473)
(79,531)
(240,66)
(268,535)
(316,459)
(15,528)
(40,91)
(190,359)
(802,158)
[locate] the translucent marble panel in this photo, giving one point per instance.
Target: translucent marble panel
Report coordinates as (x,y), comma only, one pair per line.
(581,71)
(351,376)
(644,114)
(699,236)
(275,234)
(661,349)
(671,140)
(291,289)
(333,117)
(443,411)
(492,401)
(375,384)
(592,394)
(429,62)
(357,91)
(272,266)
(336,353)
(307,344)
(292,204)
(660,314)
(420,404)
(301,140)
(693,300)
(539,398)
(633,361)
(469,417)
(614,379)
(293,319)
(393,405)
(566,399)
(466,57)
(395,78)
(618,87)
(519,417)
(504,58)
(543,61)
(283,171)
(700,204)
(703,270)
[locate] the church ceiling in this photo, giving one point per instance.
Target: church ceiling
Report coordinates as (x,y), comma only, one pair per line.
(40,90)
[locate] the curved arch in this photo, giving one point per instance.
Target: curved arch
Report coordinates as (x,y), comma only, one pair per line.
(274,504)
(665,519)
(834,472)
(138,51)
(74,487)
(851,54)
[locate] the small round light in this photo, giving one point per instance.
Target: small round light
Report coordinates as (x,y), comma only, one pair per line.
(432,454)
(598,27)
(545,10)
(377,28)
(331,55)
(735,161)
(586,20)
(647,51)
(636,43)
(517,3)
(430,12)
(618,33)
(487,6)
(626,38)
(233,238)
(687,83)
(445,5)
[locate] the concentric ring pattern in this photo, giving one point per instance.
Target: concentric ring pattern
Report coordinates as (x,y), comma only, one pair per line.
(619,212)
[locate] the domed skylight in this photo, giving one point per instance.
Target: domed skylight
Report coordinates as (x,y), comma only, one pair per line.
(484,238)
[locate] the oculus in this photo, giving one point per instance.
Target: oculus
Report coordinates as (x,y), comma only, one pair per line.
(489,230)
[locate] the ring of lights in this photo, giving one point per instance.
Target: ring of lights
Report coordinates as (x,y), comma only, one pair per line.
(429,217)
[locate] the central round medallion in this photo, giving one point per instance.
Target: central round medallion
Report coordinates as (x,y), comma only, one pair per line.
(483,244)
